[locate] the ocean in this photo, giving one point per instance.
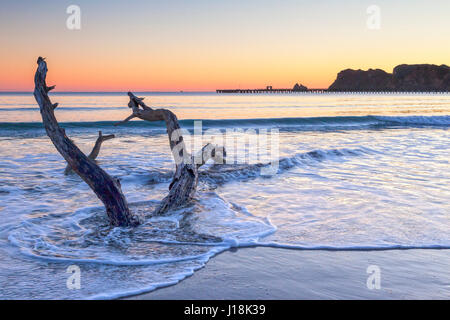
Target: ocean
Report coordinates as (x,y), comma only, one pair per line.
(352,172)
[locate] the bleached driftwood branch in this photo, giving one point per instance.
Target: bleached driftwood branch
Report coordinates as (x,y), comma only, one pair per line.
(185,180)
(107,189)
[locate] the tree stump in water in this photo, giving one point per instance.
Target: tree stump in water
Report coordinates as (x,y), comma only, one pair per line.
(185,180)
(107,189)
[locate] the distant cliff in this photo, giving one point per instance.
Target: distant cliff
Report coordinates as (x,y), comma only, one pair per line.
(417,77)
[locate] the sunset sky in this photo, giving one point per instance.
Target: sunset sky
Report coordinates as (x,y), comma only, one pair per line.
(195,45)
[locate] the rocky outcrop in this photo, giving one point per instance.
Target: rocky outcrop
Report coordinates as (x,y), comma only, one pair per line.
(419,77)
(299,87)
(360,80)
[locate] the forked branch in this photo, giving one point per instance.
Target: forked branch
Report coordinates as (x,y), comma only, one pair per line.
(95,150)
(107,189)
(185,180)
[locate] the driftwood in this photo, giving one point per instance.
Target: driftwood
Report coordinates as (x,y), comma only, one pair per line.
(107,189)
(185,180)
(95,150)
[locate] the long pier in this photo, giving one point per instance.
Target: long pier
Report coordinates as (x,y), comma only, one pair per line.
(268,90)
(325,91)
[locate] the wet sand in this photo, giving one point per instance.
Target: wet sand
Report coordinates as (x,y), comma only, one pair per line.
(269,273)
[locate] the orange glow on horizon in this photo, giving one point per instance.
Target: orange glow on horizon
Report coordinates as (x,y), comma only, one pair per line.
(209,45)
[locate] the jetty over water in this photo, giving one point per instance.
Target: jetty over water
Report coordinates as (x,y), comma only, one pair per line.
(271,90)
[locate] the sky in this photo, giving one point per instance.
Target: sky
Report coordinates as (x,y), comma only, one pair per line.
(203,45)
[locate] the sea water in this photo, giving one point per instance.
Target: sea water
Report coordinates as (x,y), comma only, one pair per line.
(354,172)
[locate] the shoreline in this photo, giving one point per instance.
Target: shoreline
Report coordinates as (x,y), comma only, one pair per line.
(214,92)
(256,273)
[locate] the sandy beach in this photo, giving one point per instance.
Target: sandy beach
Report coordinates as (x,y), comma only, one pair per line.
(268,273)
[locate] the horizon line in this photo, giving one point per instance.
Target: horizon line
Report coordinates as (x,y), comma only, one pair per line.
(126,91)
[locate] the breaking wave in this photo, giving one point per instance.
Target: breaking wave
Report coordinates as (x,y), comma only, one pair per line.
(215,175)
(311,123)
